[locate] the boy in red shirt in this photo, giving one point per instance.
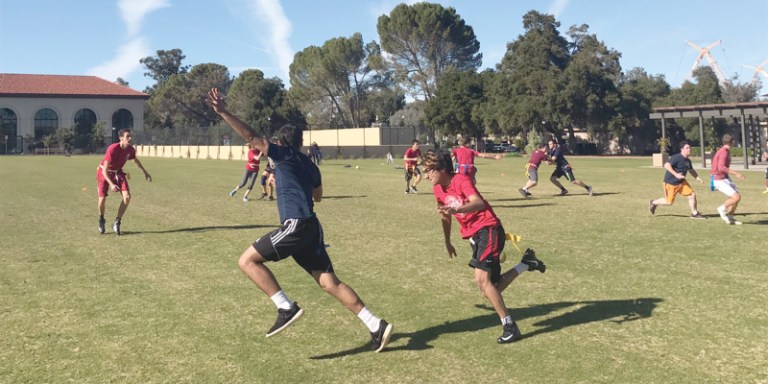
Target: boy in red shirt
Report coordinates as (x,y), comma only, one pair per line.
(411,160)
(464,157)
(722,182)
(456,195)
(110,177)
(532,169)
(251,172)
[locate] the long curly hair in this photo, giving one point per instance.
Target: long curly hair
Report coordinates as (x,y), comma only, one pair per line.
(438,161)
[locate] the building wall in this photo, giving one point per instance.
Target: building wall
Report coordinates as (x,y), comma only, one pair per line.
(26,107)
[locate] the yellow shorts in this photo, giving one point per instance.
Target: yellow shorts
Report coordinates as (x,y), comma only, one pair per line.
(670,191)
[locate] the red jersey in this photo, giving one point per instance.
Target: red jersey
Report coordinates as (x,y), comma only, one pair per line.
(537,157)
(720,163)
(254,160)
(117,157)
(411,153)
(456,195)
(465,156)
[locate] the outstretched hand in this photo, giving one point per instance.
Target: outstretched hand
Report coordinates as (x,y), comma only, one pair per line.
(451,250)
(216,100)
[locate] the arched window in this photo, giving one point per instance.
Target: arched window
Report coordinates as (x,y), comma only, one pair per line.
(8,127)
(122,119)
(85,120)
(46,122)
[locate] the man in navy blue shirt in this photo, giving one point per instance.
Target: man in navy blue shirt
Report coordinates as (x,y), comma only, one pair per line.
(563,168)
(298,187)
(677,167)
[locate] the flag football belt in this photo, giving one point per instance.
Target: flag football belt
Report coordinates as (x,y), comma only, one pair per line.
(464,169)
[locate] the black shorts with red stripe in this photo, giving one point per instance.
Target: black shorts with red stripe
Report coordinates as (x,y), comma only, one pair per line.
(487,245)
(300,238)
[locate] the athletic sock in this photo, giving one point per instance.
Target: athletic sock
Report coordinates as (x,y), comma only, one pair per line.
(370,321)
(281,300)
(520,268)
(506,320)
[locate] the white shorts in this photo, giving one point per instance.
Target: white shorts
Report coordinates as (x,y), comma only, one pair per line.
(726,186)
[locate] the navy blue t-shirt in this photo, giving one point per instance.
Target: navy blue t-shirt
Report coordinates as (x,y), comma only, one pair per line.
(295,178)
(560,160)
(681,165)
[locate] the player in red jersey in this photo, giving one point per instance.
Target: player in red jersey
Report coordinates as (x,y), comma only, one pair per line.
(110,176)
(411,160)
(456,195)
(532,169)
(251,172)
(464,158)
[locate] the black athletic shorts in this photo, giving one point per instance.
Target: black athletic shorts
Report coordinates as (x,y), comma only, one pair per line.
(566,171)
(487,245)
(300,238)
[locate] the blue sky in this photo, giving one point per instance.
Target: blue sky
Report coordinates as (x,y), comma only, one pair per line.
(108,37)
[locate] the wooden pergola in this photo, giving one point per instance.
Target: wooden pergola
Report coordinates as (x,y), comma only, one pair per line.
(747,113)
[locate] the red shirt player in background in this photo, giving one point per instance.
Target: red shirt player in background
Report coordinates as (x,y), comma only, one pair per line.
(251,172)
(110,176)
(464,157)
(532,168)
(411,159)
(721,172)
(456,195)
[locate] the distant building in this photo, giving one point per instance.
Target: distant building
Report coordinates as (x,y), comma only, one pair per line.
(33,106)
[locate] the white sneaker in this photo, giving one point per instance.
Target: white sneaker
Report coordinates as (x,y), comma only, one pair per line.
(733,221)
(245,199)
(721,211)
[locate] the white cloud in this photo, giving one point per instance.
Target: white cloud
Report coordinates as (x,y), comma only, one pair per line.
(557,8)
(125,62)
(134,11)
(278,28)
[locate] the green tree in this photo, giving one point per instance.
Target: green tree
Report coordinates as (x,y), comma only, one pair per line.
(590,80)
(734,91)
(632,126)
(528,84)
(262,103)
(121,81)
(338,83)
(423,41)
(164,65)
(705,89)
(455,108)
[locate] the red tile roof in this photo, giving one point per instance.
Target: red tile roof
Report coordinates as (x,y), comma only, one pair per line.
(20,85)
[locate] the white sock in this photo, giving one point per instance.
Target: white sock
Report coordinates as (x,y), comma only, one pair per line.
(520,268)
(506,320)
(370,321)
(281,300)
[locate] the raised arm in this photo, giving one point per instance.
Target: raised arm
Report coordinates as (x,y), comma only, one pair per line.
(216,100)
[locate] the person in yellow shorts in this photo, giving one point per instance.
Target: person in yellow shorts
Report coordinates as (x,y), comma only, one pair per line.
(675,183)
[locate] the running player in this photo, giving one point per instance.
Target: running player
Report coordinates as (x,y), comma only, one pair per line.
(456,195)
(563,168)
(464,158)
(677,167)
(301,235)
(250,173)
(532,169)
(411,159)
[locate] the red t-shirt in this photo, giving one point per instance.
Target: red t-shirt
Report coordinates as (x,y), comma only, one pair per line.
(411,153)
(465,156)
(117,157)
(720,163)
(456,195)
(253,160)
(537,157)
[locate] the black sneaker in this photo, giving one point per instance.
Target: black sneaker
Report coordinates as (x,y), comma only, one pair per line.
(511,334)
(285,317)
(271,198)
(651,207)
(563,192)
(697,216)
(380,338)
(523,192)
(116,227)
(407,191)
(534,264)
(263,195)
(102,224)
(589,189)
(414,190)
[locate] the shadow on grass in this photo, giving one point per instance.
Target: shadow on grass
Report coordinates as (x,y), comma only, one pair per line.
(614,311)
(200,229)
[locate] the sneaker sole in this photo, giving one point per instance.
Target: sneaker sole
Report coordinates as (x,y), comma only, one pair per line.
(293,320)
(385,338)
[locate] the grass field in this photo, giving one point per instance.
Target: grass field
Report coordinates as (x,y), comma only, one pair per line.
(627,297)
